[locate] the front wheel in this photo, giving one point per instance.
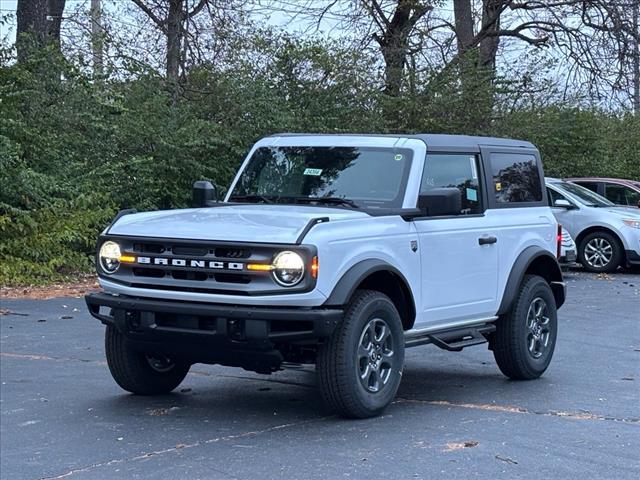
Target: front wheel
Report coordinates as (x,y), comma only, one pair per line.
(360,365)
(525,337)
(138,372)
(600,252)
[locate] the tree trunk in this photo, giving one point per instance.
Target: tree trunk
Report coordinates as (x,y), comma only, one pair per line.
(394,62)
(31,30)
(38,26)
(491,10)
(174,39)
(636,58)
(394,40)
(55,9)
(97,38)
(464,24)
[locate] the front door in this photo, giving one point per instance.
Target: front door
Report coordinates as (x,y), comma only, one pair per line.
(459,270)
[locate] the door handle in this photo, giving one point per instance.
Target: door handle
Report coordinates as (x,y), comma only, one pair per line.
(487,240)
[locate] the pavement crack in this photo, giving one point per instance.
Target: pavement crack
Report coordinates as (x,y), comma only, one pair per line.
(182,446)
(520,410)
(27,356)
(6,311)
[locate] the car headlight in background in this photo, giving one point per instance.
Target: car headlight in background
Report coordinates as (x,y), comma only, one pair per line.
(109,256)
(288,268)
(630,222)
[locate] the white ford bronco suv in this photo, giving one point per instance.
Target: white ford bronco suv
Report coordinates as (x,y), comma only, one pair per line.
(339,251)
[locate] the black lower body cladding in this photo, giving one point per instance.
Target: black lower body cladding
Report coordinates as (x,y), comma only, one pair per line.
(232,335)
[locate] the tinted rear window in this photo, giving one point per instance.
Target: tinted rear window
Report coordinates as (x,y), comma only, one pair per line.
(516,178)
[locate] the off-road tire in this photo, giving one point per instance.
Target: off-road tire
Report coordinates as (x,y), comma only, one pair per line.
(132,370)
(339,358)
(616,255)
(511,340)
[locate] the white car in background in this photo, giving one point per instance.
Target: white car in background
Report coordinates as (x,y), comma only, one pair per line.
(607,236)
(568,249)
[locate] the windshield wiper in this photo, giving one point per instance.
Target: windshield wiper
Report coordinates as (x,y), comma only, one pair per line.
(294,199)
(327,200)
(251,198)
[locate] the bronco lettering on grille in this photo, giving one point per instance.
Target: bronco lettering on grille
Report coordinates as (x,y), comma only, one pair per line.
(181,262)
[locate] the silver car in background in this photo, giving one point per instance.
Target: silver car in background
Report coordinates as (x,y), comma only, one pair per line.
(607,236)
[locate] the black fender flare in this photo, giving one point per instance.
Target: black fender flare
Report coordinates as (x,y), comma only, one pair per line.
(526,258)
(352,278)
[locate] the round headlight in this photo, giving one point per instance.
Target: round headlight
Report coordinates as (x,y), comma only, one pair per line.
(288,268)
(109,256)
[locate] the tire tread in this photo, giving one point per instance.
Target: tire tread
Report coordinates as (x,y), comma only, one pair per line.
(508,350)
(335,387)
(132,372)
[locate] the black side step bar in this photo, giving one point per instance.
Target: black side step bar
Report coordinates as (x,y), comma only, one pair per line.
(455,339)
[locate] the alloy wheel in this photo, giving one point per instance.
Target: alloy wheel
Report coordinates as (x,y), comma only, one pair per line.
(538,328)
(375,355)
(598,252)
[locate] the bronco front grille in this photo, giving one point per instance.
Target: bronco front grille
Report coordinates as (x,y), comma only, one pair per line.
(207,267)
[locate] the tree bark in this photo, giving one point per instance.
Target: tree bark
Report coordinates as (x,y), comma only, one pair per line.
(491,10)
(174,38)
(38,26)
(97,38)
(636,58)
(55,9)
(464,24)
(31,30)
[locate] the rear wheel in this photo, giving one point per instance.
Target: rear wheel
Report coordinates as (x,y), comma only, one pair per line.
(600,252)
(360,365)
(138,372)
(525,337)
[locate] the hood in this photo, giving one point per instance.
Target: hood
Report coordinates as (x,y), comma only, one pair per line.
(236,223)
(624,212)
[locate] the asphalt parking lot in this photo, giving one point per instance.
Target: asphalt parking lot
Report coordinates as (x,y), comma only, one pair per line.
(62,416)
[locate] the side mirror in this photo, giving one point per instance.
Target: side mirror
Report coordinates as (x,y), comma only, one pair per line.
(204,193)
(440,201)
(562,203)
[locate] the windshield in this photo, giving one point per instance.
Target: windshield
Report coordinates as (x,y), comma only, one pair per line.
(584,195)
(354,177)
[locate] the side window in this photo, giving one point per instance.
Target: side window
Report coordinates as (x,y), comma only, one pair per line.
(621,195)
(454,170)
(593,186)
(553,196)
(516,178)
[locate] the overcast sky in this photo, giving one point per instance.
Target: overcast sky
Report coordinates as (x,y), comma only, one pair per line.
(8,7)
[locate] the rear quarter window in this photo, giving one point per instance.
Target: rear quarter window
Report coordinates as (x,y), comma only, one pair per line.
(516,178)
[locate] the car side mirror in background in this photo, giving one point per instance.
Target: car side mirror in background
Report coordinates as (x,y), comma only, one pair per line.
(440,201)
(562,203)
(204,194)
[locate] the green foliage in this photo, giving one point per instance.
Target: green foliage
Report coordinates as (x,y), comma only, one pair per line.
(577,143)
(74,149)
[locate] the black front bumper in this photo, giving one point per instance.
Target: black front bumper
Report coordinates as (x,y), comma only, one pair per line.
(213,333)
(633,258)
